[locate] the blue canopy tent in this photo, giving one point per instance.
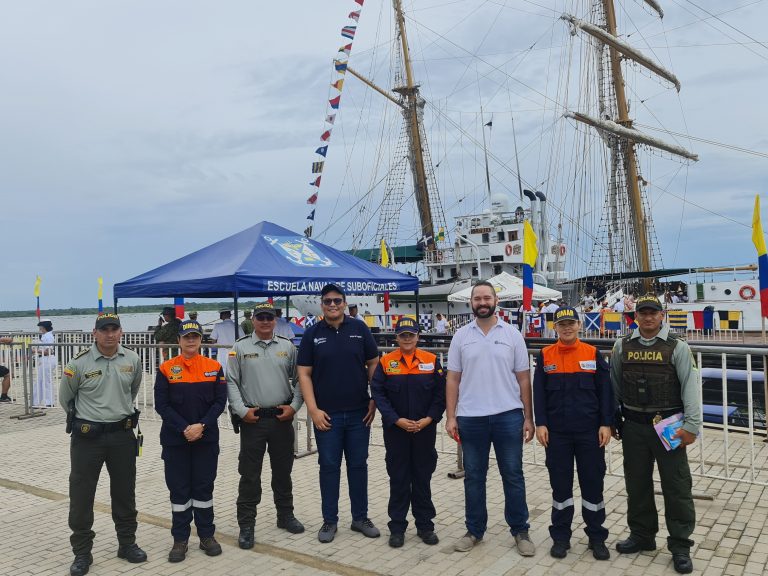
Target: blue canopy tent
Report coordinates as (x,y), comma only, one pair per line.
(263,260)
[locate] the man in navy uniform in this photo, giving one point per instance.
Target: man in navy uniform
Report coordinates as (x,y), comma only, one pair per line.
(573,403)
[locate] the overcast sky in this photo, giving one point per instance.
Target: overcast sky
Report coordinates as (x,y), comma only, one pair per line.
(133,131)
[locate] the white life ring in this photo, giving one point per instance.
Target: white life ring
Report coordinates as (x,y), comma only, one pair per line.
(562,249)
(747,292)
(508,249)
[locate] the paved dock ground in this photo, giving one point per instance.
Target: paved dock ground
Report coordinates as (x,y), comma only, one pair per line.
(731,535)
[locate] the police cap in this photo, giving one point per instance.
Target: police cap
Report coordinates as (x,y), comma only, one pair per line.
(264,308)
(648,301)
(107,319)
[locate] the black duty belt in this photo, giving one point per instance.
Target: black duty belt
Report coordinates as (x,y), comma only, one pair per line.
(648,417)
(267,412)
(128,423)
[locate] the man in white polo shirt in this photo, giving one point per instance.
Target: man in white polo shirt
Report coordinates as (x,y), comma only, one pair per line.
(488,401)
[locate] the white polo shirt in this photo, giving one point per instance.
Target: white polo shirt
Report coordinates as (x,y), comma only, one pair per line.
(488,363)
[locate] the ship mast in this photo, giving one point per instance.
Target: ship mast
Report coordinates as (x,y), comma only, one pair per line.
(411,94)
(621,139)
(633,184)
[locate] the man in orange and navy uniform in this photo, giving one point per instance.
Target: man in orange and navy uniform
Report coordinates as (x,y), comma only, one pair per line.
(408,387)
(573,404)
(190,395)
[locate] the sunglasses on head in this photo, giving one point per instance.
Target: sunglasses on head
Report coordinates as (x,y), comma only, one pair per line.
(329,301)
(264,317)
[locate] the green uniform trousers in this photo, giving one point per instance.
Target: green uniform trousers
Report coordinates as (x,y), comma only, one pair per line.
(88,455)
(641,447)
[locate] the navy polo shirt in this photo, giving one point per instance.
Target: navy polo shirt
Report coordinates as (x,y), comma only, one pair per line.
(337,359)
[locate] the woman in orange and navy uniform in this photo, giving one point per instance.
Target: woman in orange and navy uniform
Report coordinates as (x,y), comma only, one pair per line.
(573,404)
(190,395)
(408,387)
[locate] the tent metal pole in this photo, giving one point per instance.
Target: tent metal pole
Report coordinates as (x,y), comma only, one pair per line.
(287,307)
(237,323)
(115,304)
(418,316)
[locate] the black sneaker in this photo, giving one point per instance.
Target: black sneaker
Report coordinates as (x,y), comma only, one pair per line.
(599,550)
(559,549)
(428,537)
(396,540)
(5,398)
(291,524)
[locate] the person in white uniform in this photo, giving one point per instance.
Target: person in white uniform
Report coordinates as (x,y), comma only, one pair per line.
(42,394)
(223,333)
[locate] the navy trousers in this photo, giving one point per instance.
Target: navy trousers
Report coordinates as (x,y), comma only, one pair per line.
(190,471)
(411,460)
(584,447)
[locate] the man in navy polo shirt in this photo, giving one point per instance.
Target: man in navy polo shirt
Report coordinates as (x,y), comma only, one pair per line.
(336,361)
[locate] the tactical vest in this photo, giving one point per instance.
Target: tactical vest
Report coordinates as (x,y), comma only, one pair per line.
(649,378)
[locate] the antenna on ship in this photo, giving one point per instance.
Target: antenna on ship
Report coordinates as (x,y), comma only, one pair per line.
(485,151)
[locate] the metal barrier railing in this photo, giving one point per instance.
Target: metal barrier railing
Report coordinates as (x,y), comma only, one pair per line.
(734,450)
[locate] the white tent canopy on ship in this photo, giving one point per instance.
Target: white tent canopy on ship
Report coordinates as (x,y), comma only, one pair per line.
(508,287)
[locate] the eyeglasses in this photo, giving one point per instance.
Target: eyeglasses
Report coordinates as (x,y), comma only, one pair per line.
(264,317)
(329,301)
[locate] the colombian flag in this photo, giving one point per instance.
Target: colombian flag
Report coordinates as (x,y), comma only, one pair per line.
(762,256)
(530,251)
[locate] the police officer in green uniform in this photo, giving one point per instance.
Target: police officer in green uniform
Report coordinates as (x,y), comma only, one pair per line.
(654,376)
(262,391)
(98,388)
(247,324)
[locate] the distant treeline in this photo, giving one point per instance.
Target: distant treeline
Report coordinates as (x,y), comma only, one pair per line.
(188,307)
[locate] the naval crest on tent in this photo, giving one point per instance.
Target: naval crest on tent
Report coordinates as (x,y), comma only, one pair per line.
(299,250)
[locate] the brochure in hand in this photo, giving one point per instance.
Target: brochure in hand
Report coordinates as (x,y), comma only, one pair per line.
(667,428)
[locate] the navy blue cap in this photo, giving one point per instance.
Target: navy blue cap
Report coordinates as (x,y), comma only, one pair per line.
(406,325)
(566,313)
(331,288)
(190,326)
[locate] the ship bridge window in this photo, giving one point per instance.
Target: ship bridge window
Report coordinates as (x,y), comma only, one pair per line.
(454,273)
(512,235)
(486,238)
(501,236)
(440,273)
(474,270)
(497,258)
(496,269)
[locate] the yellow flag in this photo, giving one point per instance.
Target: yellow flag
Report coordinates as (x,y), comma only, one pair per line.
(101,287)
(384,254)
(757,229)
(530,249)
(37,287)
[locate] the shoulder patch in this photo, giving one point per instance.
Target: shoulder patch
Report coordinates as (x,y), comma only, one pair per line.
(69,371)
(81,353)
(282,337)
(129,348)
(232,353)
(243,338)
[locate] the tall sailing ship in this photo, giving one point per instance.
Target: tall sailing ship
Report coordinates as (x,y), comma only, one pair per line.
(590,206)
